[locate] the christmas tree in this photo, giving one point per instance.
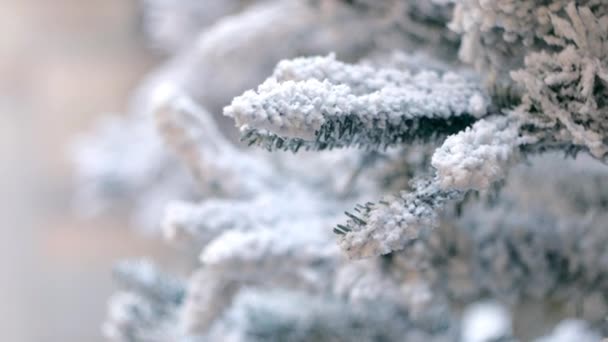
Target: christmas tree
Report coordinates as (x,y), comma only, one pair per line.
(428,171)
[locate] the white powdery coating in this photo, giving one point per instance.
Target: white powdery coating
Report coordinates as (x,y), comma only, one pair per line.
(280,314)
(274,208)
(497,34)
(478,156)
(508,250)
(363,77)
(571,330)
(304,93)
(208,219)
(291,109)
(366,281)
(238,51)
(568,87)
(387,229)
(485,321)
(132,317)
(123,307)
(389,226)
(184,220)
(212,159)
(287,220)
(309,243)
(208,295)
(113,172)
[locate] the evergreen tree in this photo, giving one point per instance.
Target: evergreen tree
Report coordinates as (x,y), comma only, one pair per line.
(437,171)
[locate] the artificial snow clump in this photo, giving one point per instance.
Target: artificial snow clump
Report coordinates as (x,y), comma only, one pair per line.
(486,322)
(477,157)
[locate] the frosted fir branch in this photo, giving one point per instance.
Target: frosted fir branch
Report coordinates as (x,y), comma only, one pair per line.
(147,307)
(320,103)
(266,228)
(365,281)
(482,154)
(280,315)
(216,56)
(185,221)
(555,54)
(307,214)
(207,219)
(113,173)
(497,35)
(517,248)
(351,131)
(209,293)
(365,78)
(213,287)
(380,228)
(538,227)
(571,330)
(579,186)
(516,252)
(565,91)
(212,159)
(265,244)
(378,279)
(524,256)
(478,156)
(144,278)
(133,318)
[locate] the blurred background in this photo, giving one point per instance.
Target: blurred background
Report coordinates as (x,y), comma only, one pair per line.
(63,63)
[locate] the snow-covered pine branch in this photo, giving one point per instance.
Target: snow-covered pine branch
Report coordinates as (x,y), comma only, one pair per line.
(565,91)
(380,228)
(283,315)
(146,308)
(478,156)
(213,160)
(320,103)
(473,159)
(517,248)
(143,277)
(113,172)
